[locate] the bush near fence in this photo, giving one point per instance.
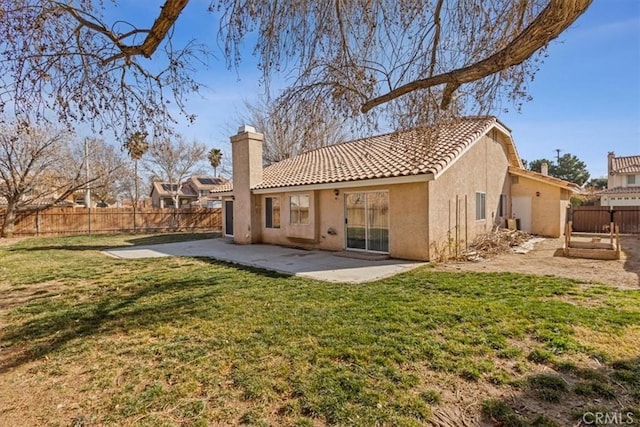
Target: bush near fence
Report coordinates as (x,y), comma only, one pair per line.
(65,221)
(596,219)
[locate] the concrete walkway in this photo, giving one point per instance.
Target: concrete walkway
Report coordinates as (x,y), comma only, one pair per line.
(319,265)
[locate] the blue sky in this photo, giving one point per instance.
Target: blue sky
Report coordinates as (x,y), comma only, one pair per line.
(586,95)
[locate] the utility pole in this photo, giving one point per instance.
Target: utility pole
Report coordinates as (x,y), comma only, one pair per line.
(87,189)
(87,193)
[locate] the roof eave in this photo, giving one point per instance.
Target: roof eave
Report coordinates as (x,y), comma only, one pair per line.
(545,179)
(406,179)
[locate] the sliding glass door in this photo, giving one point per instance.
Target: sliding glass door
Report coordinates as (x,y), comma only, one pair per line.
(367,221)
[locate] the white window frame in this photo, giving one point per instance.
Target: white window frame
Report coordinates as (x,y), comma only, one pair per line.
(291,209)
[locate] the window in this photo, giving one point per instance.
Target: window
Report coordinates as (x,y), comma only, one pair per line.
(502,206)
(299,208)
(272,212)
(631,180)
(480,206)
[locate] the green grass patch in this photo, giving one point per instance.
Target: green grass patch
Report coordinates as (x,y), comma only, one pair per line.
(549,388)
(595,389)
(197,342)
(502,414)
(541,356)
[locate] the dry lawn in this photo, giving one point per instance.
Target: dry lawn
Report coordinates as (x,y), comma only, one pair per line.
(545,260)
(88,340)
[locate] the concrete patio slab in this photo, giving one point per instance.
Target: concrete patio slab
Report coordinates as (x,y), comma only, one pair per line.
(319,265)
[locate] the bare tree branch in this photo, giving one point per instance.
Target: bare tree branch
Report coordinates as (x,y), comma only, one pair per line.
(551,22)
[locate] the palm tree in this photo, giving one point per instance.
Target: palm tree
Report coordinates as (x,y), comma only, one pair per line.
(136,145)
(215,158)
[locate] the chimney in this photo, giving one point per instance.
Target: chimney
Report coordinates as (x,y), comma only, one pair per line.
(544,168)
(246,153)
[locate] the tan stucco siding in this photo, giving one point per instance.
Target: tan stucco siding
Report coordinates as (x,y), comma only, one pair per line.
(483,168)
(548,205)
(408,229)
(407,220)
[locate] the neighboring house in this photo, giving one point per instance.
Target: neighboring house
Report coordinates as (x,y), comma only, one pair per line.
(408,194)
(207,189)
(163,195)
(623,183)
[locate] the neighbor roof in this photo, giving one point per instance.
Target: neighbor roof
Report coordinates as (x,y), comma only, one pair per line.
(620,190)
(166,189)
(412,152)
(206,182)
(225,187)
(628,164)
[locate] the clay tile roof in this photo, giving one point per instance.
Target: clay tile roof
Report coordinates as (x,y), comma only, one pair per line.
(222,188)
(620,190)
(545,178)
(165,189)
(628,164)
(202,182)
(411,152)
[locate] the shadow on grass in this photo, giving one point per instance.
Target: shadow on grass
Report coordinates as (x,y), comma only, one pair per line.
(54,324)
(75,243)
(631,248)
(171,238)
(254,270)
(569,395)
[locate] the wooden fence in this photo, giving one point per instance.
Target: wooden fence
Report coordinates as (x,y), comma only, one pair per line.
(66,221)
(596,219)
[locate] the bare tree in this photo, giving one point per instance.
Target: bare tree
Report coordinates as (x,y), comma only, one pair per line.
(37,170)
(291,129)
(413,61)
(63,61)
(419,59)
(172,160)
(107,170)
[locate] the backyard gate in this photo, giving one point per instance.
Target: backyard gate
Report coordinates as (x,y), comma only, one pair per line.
(597,219)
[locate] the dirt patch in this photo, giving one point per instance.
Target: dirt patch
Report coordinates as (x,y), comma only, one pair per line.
(544,260)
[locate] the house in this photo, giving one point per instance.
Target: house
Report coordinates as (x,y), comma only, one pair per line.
(207,188)
(408,194)
(623,182)
(163,195)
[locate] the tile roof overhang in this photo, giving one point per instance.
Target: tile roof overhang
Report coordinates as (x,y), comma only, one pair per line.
(545,178)
(157,186)
(222,188)
(620,190)
(415,155)
(627,164)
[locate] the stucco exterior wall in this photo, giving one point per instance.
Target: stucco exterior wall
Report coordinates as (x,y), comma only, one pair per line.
(630,198)
(408,207)
(620,180)
(548,205)
(483,168)
(246,149)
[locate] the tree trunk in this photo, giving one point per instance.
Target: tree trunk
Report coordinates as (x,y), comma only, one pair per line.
(9,222)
